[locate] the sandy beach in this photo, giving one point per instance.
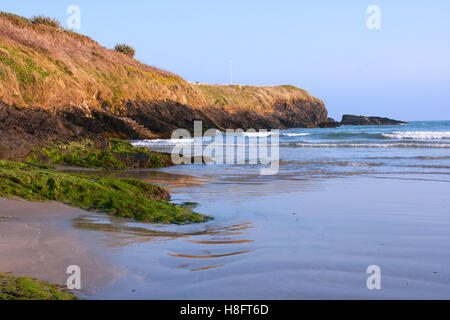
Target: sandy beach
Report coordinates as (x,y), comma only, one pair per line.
(37,240)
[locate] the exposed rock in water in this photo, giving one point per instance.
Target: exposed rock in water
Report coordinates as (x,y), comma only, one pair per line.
(330,123)
(352,120)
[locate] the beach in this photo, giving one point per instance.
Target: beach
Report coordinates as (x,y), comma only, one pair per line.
(257,248)
(309,232)
(37,240)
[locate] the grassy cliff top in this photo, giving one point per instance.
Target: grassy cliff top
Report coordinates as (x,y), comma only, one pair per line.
(39,61)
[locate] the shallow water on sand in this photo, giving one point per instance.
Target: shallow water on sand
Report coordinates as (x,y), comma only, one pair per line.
(310,231)
(313,240)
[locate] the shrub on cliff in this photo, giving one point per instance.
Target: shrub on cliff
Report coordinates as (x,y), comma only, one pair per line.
(45,20)
(124,48)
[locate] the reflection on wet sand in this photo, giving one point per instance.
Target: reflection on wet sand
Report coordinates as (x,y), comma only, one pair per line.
(209,255)
(164,179)
(220,242)
(211,240)
(208,268)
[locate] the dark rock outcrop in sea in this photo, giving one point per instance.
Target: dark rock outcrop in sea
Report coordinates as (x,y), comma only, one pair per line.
(330,123)
(352,120)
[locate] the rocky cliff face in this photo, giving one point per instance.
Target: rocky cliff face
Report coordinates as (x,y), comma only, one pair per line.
(57,84)
(162,117)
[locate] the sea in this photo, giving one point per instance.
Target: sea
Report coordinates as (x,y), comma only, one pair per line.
(416,148)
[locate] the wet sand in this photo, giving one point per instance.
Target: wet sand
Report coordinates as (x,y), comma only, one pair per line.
(37,240)
(310,242)
(271,239)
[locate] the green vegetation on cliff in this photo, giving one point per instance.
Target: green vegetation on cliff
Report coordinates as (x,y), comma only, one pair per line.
(24,288)
(128,198)
(113,154)
(46,21)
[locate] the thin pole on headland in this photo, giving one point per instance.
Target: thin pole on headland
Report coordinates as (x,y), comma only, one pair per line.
(231,71)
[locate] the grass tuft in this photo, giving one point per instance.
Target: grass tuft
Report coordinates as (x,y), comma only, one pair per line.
(46,21)
(126,49)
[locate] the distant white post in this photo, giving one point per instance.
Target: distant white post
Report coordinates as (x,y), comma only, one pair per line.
(231,71)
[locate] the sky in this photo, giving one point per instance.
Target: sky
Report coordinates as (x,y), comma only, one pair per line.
(325,47)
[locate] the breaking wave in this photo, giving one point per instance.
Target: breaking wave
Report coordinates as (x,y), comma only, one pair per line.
(296,134)
(368,145)
(332,163)
(162,142)
(418,135)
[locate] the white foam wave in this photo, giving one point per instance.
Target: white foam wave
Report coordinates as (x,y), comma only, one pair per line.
(162,142)
(371,145)
(418,135)
(257,134)
(296,134)
(191,142)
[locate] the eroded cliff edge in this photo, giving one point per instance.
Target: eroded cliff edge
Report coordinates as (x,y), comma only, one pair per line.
(56,84)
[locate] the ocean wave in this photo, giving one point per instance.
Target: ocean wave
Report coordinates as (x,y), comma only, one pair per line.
(162,142)
(368,145)
(418,135)
(332,163)
(267,134)
(364,135)
(296,134)
(433,157)
(193,142)
(257,134)
(410,158)
(424,166)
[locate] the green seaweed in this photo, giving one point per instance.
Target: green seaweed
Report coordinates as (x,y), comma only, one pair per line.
(24,288)
(84,154)
(128,198)
(189,205)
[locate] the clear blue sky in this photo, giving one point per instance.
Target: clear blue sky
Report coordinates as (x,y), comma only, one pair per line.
(400,71)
